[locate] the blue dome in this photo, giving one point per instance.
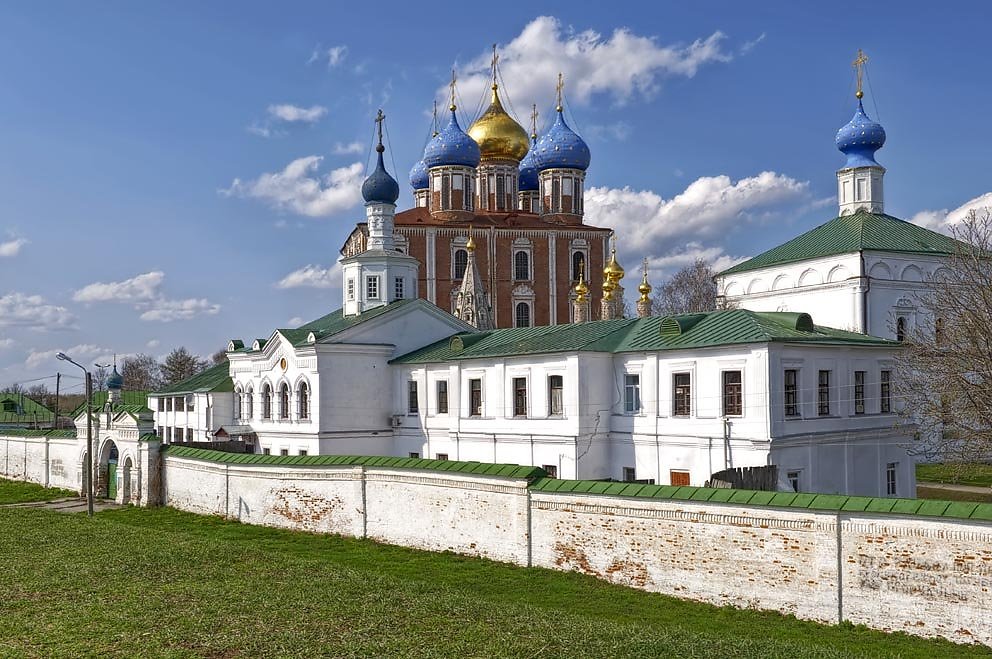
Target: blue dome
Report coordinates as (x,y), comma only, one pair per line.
(528,172)
(452,146)
(380,187)
(860,139)
(561,147)
(115,380)
(418,176)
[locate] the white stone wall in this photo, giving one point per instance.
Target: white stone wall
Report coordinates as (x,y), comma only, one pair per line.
(51,462)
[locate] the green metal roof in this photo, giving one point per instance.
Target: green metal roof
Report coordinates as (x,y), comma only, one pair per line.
(336,322)
(215,378)
(479,468)
(655,333)
(816,502)
(25,432)
(25,410)
(136,400)
(853,233)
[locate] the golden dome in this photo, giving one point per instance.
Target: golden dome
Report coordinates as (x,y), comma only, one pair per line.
(613,272)
(499,137)
(608,288)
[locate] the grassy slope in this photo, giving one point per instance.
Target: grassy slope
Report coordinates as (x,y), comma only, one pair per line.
(19,492)
(959,473)
(156,582)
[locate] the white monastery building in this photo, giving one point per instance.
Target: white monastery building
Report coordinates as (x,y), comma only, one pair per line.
(673,400)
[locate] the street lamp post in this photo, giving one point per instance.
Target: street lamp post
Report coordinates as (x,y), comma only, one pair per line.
(89,432)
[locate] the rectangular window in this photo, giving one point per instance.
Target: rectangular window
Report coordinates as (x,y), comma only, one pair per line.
(303,451)
(823,394)
(682,394)
(161,404)
(733,404)
(891,487)
(442,396)
(678,477)
(631,393)
(885,392)
(791,392)
(555,195)
(414,454)
(351,289)
(189,434)
(266,451)
(551,469)
(556,399)
(398,291)
(519,396)
(475,397)
(180,404)
(413,401)
(859,392)
(177,434)
(189,404)
(500,193)
(168,404)
(793,478)
(441,456)
(284,451)
(629,474)
(445,192)
(372,287)
(160,432)
(862,189)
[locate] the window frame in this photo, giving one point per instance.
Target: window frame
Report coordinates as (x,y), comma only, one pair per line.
(284,401)
(412,397)
(521,266)
(560,388)
(672,473)
(518,389)
(441,396)
(399,288)
(823,392)
(266,401)
(682,394)
(736,398)
(892,479)
(859,392)
(455,265)
(885,391)
(790,393)
(475,408)
(303,400)
(372,287)
(632,385)
(516,314)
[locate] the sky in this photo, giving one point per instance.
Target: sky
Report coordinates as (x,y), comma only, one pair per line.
(181,174)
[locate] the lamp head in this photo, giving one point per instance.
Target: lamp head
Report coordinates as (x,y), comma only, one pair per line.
(62,357)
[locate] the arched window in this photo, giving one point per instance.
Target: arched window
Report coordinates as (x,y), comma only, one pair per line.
(578,263)
(900,329)
(284,401)
(266,401)
(523,314)
(303,400)
(249,403)
(521,266)
(461,262)
(237,403)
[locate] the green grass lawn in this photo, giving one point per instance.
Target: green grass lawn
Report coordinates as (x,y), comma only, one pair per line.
(19,492)
(159,582)
(974,473)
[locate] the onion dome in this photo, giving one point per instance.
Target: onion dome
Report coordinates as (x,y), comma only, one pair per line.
(418,176)
(613,272)
(452,146)
(860,139)
(380,187)
(608,288)
(470,245)
(644,288)
(499,137)
(581,289)
(115,380)
(528,179)
(561,148)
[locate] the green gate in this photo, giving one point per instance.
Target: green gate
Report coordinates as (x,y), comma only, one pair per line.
(112,480)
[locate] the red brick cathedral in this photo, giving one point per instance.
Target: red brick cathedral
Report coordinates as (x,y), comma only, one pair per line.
(520,200)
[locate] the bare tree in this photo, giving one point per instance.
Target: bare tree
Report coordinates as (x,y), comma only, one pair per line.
(141,373)
(181,364)
(219,357)
(99,375)
(944,375)
(690,290)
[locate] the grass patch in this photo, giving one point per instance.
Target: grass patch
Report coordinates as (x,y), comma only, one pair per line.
(21,492)
(162,582)
(942,494)
(958,473)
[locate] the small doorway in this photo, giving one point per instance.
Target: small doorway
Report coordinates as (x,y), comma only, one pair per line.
(111,492)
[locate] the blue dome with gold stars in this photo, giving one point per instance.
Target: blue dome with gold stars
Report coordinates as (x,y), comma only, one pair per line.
(452,146)
(528,180)
(561,148)
(418,176)
(860,139)
(380,187)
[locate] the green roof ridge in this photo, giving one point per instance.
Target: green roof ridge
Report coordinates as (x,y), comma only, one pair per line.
(212,378)
(861,231)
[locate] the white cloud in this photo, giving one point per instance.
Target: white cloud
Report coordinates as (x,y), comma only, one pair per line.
(335,55)
(166,311)
(749,45)
(618,131)
(153,343)
(621,65)
(295,113)
(943,220)
(12,247)
(6,343)
(295,321)
(84,353)
(31,311)
(300,189)
(138,288)
(312,276)
(355,148)
(708,208)
(264,130)
(664,266)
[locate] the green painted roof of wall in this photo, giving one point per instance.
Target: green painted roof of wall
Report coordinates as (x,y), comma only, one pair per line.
(480,468)
(26,410)
(656,333)
(133,400)
(25,432)
(809,501)
(214,378)
(853,233)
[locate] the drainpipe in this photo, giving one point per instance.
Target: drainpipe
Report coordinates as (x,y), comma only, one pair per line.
(726,443)
(866,286)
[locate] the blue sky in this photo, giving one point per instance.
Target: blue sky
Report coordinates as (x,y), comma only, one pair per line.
(184,173)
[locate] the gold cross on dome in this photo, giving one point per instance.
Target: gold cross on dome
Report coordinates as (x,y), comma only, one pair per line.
(559,88)
(452,85)
(533,122)
(859,66)
(495,63)
(378,122)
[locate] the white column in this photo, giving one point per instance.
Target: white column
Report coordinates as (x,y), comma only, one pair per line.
(430,257)
(552,281)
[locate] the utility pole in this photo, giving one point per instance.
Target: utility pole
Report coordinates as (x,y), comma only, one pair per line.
(58,381)
(89,444)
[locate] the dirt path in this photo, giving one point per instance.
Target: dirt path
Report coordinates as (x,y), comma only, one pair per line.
(69,505)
